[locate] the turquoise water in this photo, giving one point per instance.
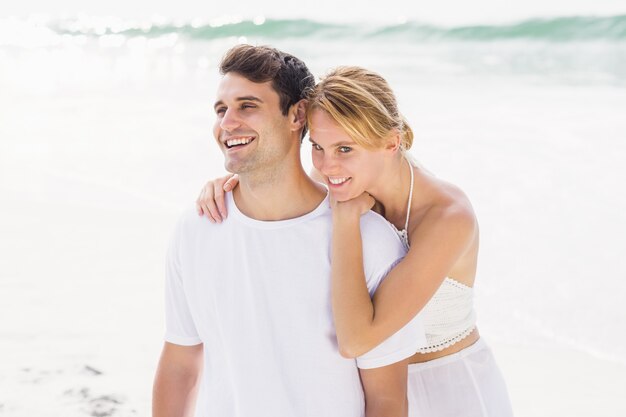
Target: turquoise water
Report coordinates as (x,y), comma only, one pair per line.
(575,50)
(563,29)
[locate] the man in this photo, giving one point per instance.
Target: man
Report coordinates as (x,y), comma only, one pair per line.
(249,328)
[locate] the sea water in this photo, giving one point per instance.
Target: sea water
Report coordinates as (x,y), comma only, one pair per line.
(105,135)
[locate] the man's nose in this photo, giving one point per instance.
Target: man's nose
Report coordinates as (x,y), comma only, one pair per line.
(230,121)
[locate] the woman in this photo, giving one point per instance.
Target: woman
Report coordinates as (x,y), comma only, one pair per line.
(359,143)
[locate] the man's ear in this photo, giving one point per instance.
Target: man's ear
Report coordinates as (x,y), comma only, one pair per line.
(298,114)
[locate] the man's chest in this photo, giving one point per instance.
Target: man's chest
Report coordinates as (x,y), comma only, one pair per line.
(250,281)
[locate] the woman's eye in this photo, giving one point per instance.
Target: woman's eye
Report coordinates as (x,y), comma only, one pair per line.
(316,147)
(344,149)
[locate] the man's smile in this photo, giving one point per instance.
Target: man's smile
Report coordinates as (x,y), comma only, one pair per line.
(238,141)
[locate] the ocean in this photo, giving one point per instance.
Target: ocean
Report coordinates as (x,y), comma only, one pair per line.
(105,136)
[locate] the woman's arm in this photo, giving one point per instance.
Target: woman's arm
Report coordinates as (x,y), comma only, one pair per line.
(385,390)
(437,243)
(210,202)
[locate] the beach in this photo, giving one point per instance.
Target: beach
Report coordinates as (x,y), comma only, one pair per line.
(105,140)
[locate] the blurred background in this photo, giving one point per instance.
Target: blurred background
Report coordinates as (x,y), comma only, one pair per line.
(105,136)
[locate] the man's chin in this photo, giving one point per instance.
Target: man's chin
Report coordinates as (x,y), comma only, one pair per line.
(234,167)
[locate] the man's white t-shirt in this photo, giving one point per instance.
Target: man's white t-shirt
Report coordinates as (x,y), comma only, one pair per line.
(257,295)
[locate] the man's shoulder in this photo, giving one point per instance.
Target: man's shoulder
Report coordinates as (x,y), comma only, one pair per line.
(190,223)
(373,225)
(380,240)
(382,248)
(189,216)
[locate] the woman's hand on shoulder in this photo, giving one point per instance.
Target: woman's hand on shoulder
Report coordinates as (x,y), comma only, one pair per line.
(353,208)
(210,202)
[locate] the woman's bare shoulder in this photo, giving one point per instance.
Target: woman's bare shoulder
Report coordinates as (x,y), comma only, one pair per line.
(445,206)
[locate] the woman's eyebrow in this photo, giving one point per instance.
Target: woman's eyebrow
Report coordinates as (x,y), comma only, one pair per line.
(342,143)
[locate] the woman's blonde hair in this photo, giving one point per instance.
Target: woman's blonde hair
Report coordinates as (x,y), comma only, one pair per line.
(363,104)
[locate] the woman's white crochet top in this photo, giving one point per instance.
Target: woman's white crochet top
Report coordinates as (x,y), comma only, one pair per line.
(449,316)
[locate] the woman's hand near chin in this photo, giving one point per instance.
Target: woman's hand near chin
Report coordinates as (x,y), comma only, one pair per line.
(352,208)
(210,202)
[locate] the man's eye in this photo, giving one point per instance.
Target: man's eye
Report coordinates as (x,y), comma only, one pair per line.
(316,147)
(220,110)
(248,106)
(344,149)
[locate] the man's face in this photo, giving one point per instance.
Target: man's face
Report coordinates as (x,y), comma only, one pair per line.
(250,128)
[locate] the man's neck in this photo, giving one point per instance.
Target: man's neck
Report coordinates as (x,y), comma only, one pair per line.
(284,193)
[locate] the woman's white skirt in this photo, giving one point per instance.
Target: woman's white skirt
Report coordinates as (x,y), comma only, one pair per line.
(464,384)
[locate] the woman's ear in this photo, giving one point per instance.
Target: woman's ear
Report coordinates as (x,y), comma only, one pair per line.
(394,140)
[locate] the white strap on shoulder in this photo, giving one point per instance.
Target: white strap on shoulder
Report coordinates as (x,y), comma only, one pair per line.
(408,206)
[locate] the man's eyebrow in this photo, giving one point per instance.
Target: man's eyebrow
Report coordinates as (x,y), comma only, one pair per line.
(249,98)
(243,98)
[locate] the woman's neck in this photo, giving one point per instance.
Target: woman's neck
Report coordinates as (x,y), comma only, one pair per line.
(392,190)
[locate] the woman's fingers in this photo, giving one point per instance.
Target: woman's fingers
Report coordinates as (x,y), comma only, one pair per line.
(207,213)
(231,183)
(358,205)
(200,203)
(220,187)
(210,205)
(203,210)
(212,202)
(218,192)
(331,200)
(205,203)
(370,201)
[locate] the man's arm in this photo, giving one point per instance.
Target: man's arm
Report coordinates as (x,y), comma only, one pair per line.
(176,381)
(385,390)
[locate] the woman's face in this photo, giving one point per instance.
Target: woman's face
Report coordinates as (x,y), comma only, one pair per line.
(347,168)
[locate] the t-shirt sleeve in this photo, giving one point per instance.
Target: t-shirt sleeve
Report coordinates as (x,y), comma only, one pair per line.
(382,251)
(402,344)
(179,325)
